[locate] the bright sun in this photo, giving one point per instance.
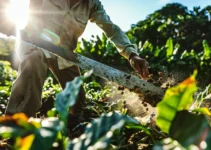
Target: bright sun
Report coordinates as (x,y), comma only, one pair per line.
(18,12)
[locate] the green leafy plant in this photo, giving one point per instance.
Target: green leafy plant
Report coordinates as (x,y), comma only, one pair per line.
(68,97)
(50,89)
(175,99)
(174,117)
(94,91)
(186,27)
(102,50)
(7,76)
(30,134)
(98,134)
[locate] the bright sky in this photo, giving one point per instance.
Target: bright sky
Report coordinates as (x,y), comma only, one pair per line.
(127,12)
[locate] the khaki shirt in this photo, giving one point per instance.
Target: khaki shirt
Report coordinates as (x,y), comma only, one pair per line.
(69,24)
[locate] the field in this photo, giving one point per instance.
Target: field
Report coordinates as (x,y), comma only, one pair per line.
(177,46)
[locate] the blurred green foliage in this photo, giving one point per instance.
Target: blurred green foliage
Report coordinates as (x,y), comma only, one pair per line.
(176,99)
(50,89)
(31,134)
(95,91)
(102,50)
(49,133)
(110,130)
(103,131)
(161,58)
(188,127)
(186,27)
(7,76)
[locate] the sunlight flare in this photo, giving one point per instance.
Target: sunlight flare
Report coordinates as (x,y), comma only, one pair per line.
(19,12)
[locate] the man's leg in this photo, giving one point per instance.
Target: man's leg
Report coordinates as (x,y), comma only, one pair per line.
(27,88)
(64,76)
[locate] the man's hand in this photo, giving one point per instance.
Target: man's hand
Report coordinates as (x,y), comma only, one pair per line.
(140,65)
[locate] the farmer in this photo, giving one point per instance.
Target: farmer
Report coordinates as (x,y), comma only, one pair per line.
(67,19)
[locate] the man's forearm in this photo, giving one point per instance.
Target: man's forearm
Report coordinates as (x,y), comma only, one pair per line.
(112,31)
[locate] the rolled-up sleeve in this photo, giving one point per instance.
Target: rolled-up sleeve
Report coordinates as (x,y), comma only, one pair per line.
(112,31)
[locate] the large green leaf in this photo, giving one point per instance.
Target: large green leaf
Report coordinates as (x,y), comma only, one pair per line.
(16,125)
(185,136)
(189,128)
(176,99)
(30,134)
(47,134)
(68,97)
(99,132)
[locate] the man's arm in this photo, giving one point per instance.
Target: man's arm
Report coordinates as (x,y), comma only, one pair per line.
(112,31)
(118,37)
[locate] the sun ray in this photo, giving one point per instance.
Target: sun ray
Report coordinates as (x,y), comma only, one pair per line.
(18,12)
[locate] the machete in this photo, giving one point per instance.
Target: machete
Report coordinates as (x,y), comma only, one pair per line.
(131,82)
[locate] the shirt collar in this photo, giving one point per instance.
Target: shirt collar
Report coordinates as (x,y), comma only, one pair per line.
(62,3)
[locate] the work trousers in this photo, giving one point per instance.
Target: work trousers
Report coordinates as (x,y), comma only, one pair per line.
(27,88)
